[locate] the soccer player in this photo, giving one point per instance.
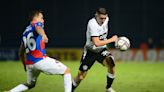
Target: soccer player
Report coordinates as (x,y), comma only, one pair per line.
(36,61)
(96,49)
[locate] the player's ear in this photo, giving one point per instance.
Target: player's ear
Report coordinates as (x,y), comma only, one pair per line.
(96,14)
(107,15)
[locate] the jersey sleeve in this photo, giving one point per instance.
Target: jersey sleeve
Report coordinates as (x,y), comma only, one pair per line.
(93,30)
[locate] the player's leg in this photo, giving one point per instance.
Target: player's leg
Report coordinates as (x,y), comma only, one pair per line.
(32,75)
(111,72)
(88,59)
(67,80)
(52,66)
(76,81)
(107,59)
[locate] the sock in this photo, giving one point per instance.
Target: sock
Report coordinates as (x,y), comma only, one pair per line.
(110,78)
(67,82)
(19,88)
(74,85)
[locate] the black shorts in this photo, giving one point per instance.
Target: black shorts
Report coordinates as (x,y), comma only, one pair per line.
(89,58)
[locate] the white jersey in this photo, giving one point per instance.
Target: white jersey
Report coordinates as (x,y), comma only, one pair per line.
(94,29)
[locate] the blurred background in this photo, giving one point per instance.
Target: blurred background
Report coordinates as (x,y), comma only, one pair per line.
(65,24)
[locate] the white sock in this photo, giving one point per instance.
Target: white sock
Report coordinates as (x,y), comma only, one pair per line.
(74,83)
(67,82)
(19,88)
(111,75)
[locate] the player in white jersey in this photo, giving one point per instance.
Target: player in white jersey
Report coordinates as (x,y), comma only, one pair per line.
(96,49)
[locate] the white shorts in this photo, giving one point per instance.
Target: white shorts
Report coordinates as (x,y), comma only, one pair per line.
(47,65)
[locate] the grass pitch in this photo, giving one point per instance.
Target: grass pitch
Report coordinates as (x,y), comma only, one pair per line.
(130,77)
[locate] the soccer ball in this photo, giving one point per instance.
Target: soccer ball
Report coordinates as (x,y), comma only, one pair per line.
(122,43)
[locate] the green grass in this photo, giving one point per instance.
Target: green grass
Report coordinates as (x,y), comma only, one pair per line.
(130,77)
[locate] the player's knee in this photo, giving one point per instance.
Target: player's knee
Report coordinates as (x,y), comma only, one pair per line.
(110,61)
(67,71)
(31,85)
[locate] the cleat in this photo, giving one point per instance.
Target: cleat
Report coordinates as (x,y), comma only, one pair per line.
(110,90)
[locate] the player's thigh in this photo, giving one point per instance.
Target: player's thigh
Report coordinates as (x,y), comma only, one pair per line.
(109,62)
(105,57)
(51,66)
(87,60)
(32,74)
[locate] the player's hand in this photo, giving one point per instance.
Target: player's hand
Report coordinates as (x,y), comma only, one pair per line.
(114,38)
(45,39)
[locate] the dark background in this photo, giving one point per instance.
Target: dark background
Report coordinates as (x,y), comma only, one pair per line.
(66,20)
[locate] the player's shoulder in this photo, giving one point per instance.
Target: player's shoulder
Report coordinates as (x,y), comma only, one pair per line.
(92,22)
(27,30)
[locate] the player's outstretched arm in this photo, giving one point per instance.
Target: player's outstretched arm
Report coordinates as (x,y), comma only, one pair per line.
(98,42)
(41,32)
(22,55)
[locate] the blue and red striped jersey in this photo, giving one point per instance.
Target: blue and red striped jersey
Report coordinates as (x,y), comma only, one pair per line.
(35,47)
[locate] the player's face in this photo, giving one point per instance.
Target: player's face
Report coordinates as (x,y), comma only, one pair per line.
(39,18)
(101,18)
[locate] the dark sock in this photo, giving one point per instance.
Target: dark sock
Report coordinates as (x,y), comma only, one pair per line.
(109,82)
(73,87)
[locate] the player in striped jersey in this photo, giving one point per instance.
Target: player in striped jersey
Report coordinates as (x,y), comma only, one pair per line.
(36,60)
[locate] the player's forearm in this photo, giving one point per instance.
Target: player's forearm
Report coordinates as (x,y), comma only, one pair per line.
(22,55)
(40,31)
(103,42)
(97,42)
(21,51)
(23,60)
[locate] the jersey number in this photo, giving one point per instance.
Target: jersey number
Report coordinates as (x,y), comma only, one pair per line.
(29,42)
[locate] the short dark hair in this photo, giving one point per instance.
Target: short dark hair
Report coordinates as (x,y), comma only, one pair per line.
(34,13)
(101,11)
